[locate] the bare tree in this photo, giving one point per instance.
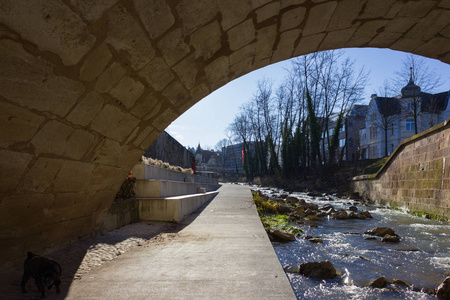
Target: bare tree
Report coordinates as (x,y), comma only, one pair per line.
(383,115)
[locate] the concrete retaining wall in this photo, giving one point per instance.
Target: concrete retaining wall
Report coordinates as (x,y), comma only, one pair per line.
(121,213)
(416,176)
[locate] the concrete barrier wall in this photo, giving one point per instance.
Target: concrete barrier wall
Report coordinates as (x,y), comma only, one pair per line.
(121,213)
(416,176)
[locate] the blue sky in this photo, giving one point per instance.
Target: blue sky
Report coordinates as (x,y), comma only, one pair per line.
(206,121)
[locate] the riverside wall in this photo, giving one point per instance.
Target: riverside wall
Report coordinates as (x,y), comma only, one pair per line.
(416,175)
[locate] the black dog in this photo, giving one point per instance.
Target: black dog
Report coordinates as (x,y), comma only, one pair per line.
(45,272)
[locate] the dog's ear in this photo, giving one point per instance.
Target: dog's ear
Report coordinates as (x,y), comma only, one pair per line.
(29,254)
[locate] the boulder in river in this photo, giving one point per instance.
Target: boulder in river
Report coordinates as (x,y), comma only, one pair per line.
(443,291)
(380,231)
(283,209)
(352,208)
(282,236)
(390,239)
(364,215)
(378,283)
(292,199)
(341,215)
(319,270)
(316,240)
(399,282)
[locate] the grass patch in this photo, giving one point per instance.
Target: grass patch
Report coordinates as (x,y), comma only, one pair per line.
(375,167)
(268,213)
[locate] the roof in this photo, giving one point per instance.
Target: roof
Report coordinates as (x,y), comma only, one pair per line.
(388,106)
(433,103)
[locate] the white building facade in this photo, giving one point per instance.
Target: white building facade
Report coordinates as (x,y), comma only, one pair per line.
(390,120)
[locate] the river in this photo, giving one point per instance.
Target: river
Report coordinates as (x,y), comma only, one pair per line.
(421,259)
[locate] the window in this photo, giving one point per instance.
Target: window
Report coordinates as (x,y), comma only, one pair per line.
(373,132)
(342,143)
(342,128)
(410,125)
(373,152)
(373,117)
(391,126)
(392,148)
(410,106)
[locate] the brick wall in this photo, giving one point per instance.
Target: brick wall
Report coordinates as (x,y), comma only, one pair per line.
(416,176)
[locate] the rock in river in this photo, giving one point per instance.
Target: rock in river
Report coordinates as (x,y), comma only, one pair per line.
(380,231)
(390,239)
(284,209)
(378,283)
(443,291)
(319,270)
(282,236)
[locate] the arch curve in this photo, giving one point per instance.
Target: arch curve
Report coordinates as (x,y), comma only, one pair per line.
(87,86)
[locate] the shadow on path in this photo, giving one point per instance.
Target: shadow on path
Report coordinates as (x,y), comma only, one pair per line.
(78,259)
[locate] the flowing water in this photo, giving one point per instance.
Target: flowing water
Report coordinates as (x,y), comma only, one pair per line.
(421,259)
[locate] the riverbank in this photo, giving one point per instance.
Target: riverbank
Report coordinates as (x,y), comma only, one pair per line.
(408,262)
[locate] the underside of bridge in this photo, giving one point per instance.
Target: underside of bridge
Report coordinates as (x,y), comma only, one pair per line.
(86,86)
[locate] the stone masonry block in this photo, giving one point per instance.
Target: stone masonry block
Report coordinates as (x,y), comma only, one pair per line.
(430,26)
(176,93)
(86,109)
(41,175)
(217,70)
(173,47)
(73,176)
(22,124)
(287,3)
(319,17)
(146,107)
(265,39)
(187,71)
(416,9)
(12,166)
(95,63)
(285,45)
(400,24)
(366,32)
(114,123)
(98,176)
(145,132)
(156,16)
(109,78)
(127,91)
(268,11)
(166,117)
(247,52)
(51,25)
(233,12)
(334,39)
(195,14)
(292,18)
(345,14)
(112,153)
(376,9)
(206,40)
(92,10)
(309,44)
(59,139)
(241,35)
(157,73)
(126,34)
(429,48)
(30,81)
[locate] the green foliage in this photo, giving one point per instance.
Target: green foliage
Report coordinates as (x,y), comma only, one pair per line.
(315,131)
(127,189)
(426,215)
(334,143)
(264,206)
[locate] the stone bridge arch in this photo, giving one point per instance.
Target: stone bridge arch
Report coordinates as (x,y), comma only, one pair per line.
(87,86)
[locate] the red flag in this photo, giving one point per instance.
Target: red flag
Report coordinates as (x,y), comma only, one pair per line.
(242,155)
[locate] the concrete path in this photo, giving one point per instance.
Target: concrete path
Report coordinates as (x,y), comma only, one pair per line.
(223,254)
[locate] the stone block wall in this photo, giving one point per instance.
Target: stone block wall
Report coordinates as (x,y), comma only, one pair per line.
(416,176)
(168,149)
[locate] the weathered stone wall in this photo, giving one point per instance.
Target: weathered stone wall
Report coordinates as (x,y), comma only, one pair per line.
(416,176)
(168,149)
(87,86)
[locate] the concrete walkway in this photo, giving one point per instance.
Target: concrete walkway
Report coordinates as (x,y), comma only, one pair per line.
(223,254)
